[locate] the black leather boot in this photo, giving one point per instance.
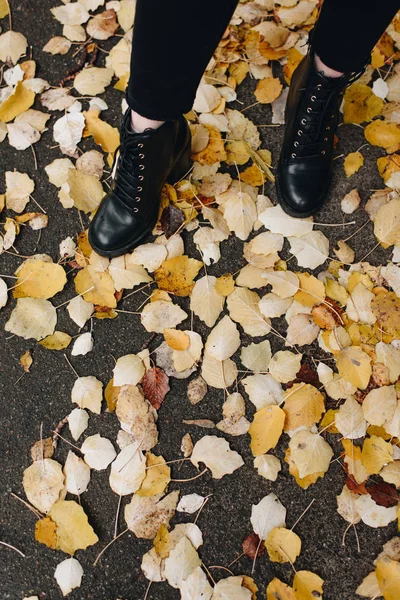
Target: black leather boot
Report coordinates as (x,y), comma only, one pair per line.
(142,164)
(312,112)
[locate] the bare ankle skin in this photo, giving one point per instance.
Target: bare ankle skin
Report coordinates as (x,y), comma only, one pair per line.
(327,71)
(139,123)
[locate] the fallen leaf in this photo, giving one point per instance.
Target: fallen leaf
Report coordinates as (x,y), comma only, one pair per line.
(68,575)
(216,454)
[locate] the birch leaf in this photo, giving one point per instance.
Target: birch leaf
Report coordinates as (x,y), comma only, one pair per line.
(39,279)
(311,250)
(224,340)
(243,308)
(12,46)
(77,474)
(196,586)
(32,318)
(266,429)
(144,515)
(379,405)
(98,452)
(256,357)
(205,301)
(78,420)
(374,515)
(266,515)
(68,575)
(95,287)
(128,471)
(217,373)
(276,220)
(354,365)
(310,453)
(350,421)
(283,545)
(88,393)
(43,481)
(181,562)
(285,365)
(19,187)
(240,214)
(128,370)
(387,223)
(216,454)
(93,80)
(307,585)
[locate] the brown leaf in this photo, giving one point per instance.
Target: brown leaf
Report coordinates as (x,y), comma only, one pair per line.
(200,423)
(384,494)
(250,545)
(171,219)
(357,488)
(155,386)
(42,449)
(306,375)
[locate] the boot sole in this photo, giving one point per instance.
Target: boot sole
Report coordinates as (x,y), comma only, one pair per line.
(180,169)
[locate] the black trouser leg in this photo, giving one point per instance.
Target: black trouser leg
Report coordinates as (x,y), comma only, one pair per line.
(173,41)
(347,31)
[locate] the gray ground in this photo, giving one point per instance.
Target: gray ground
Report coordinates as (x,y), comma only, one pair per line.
(44,396)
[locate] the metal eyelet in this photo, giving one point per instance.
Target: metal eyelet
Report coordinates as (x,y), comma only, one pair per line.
(313,98)
(296,144)
(303,122)
(309,109)
(294,155)
(319,87)
(299,132)
(323,152)
(139,188)
(135,209)
(325,139)
(140,145)
(328,128)
(140,177)
(141,167)
(141,155)
(137,198)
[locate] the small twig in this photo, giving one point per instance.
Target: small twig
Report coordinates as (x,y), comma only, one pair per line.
(13,548)
(191,479)
(108,545)
(31,508)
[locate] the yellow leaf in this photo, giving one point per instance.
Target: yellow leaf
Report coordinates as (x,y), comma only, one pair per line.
(161,542)
(122,83)
(307,585)
(85,190)
(376,453)
(352,163)
(386,308)
(266,429)
(4,8)
(45,532)
(214,151)
(225,284)
(17,103)
(387,165)
(294,57)
(253,176)
(177,340)
(354,365)
(73,529)
(26,361)
(303,482)
(283,545)
(277,590)
(103,133)
(57,341)
(310,453)
(39,279)
(383,134)
(157,477)
(237,152)
(352,459)
(95,287)
(312,290)
(304,405)
(250,584)
(111,395)
(387,223)
(328,421)
(361,104)
(239,70)
(336,291)
(268,90)
(176,275)
(388,576)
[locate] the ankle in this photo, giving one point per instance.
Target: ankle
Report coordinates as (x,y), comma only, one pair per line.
(139,123)
(325,70)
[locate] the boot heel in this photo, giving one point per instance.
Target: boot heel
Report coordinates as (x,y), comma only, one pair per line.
(182,166)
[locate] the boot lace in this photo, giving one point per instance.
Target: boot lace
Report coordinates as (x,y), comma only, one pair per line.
(129,172)
(319,107)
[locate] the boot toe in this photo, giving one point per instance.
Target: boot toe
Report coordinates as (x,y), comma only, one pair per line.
(111,229)
(301,190)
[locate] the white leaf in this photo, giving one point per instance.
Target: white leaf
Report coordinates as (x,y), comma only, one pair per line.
(19,186)
(358,305)
(284,283)
(150,256)
(185,359)
(205,301)
(32,318)
(266,515)
(57,171)
(263,390)
(216,454)
(71,14)
(388,355)
(273,306)
(128,370)
(374,515)
(152,565)
(302,330)
(125,274)
(22,135)
(276,220)
(12,46)
(268,466)
(77,474)
(190,503)
(159,315)
(207,98)
(310,453)
(181,562)
(82,345)
(392,275)
(347,508)
(379,405)
(3,293)
(256,357)
(240,214)
(350,421)
(88,393)
(79,310)
(78,420)
(223,340)
(43,481)
(98,452)
(231,588)
(196,586)
(67,131)
(380,88)
(128,470)
(217,373)
(284,366)
(311,250)
(68,575)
